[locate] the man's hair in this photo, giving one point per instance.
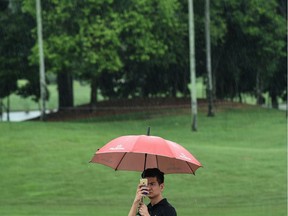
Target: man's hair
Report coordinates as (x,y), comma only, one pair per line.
(154,172)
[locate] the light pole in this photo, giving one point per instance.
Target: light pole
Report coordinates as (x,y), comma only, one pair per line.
(41,61)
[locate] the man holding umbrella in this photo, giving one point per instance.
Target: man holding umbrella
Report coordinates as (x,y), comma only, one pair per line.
(158,204)
(151,154)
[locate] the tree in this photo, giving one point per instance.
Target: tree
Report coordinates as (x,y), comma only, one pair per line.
(130,48)
(14,50)
(59,44)
(208,57)
(99,42)
(153,51)
(252,47)
(80,40)
(142,48)
(277,86)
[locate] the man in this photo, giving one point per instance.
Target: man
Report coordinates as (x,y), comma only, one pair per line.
(158,205)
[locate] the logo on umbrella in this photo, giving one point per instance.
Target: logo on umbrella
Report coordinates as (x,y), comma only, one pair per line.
(118,147)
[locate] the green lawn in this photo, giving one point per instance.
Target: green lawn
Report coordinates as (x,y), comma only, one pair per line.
(45,167)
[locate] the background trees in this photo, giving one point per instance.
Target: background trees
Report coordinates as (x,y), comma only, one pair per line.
(139,48)
(252,48)
(14,50)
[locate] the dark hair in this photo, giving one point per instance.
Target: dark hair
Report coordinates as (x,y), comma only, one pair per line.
(154,172)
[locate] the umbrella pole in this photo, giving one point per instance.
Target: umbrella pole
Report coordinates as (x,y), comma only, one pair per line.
(145,159)
(148,131)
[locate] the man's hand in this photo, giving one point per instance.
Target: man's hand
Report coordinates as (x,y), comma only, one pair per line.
(141,190)
(143,210)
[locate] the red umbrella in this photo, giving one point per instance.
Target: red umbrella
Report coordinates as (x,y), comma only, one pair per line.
(139,152)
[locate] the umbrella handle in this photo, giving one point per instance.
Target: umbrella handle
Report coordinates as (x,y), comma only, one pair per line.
(142,200)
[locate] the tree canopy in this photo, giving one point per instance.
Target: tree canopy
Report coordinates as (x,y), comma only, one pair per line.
(140,48)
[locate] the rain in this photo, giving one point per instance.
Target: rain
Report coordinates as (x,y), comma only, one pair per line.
(210,76)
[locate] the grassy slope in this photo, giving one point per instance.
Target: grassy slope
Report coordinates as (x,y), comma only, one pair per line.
(45,170)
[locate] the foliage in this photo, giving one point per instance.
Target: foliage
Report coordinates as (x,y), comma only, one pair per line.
(139,48)
(14,49)
(252,48)
(153,52)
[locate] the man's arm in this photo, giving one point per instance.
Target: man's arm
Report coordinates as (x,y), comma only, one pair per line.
(137,200)
(133,210)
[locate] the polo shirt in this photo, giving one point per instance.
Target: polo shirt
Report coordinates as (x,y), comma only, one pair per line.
(162,208)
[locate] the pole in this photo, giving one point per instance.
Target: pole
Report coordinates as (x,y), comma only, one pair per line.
(192,66)
(148,131)
(208,59)
(41,60)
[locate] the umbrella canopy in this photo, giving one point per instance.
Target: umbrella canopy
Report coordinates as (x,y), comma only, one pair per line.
(139,152)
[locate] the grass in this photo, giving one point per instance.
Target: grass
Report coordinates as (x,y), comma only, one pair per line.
(45,170)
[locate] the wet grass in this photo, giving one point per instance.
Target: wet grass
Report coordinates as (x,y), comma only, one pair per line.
(45,167)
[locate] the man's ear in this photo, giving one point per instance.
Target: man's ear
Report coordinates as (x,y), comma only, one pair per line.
(162,186)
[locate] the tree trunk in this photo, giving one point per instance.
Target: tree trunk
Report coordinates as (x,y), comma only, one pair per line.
(8,108)
(208,60)
(240,97)
(274,100)
(214,93)
(65,90)
(1,109)
(93,94)
(258,90)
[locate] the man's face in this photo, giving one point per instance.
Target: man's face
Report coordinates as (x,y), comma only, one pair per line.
(154,188)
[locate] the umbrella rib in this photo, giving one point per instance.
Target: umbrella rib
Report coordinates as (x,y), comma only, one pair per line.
(190,168)
(120,161)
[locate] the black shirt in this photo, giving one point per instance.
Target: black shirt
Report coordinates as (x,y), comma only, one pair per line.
(163,208)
